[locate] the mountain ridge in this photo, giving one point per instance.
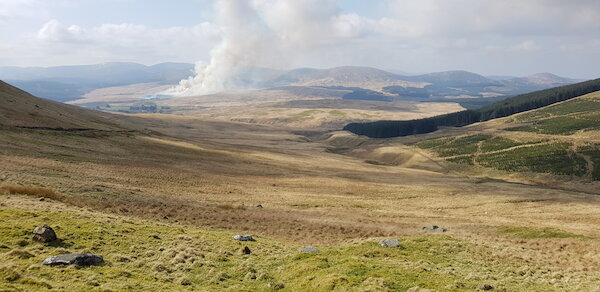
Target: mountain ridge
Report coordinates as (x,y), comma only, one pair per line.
(71,83)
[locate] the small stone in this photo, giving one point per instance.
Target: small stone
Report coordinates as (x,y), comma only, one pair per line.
(41,199)
(44,234)
(309,249)
(246,250)
(79,259)
(390,242)
(434,228)
(185,282)
(484,287)
(276,286)
(259,206)
(243,237)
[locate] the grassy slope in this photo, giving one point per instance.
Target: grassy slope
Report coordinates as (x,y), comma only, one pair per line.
(21,109)
(559,139)
(307,200)
(141,255)
(197,186)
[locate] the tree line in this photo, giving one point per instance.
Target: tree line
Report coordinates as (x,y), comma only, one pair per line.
(507,107)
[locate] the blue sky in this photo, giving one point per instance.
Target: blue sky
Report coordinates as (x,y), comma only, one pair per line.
(501,37)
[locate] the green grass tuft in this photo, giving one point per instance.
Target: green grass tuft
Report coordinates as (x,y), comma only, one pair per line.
(530,233)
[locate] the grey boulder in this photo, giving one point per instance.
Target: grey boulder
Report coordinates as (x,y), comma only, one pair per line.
(390,242)
(79,259)
(484,287)
(243,237)
(44,234)
(309,249)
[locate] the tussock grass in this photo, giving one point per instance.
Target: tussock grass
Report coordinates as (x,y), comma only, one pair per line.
(145,255)
(524,232)
(181,199)
(31,191)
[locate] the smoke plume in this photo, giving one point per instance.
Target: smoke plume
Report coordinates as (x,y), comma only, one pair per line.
(262,33)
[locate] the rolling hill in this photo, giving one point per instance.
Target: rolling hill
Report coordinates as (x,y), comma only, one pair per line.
(161,207)
(513,105)
(455,78)
(66,83)
(540,80)
(560,139)
(333,76)
(115,84)
(21,109)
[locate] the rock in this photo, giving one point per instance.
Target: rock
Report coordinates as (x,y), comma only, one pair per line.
(243,237)
(309,249)
(79,259)
(434,228)
(484,287)
(246,250)
(276,286)
(44,233)
(259,206)
(390,242)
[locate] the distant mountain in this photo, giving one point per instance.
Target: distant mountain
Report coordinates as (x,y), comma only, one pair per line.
(454,78)
(338,76)
(542,79)
(254,77)
(401,72)
(499,77)
(66,83)
(70,83)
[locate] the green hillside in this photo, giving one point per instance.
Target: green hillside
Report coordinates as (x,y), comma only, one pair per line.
(507,107)
(560,139)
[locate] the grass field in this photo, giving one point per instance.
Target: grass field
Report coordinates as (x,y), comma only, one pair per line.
(161,202)
(142,255)
(198,186)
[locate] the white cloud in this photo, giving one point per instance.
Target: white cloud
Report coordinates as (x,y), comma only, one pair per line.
(125,34)
(505,17)
(11,10)
(424,35)
(126,41)
(352,25)
(54,31)
(526,46)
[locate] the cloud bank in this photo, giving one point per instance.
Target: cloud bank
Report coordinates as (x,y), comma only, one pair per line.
(494,37)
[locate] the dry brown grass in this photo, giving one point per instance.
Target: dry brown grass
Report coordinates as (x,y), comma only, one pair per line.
(212,175)
(314,115)
(31,191)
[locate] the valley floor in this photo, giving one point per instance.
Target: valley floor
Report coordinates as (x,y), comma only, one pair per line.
(194,183)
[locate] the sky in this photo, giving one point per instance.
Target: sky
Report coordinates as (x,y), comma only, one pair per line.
(491,37)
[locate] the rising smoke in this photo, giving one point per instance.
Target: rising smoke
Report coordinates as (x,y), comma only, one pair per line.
(267,33)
